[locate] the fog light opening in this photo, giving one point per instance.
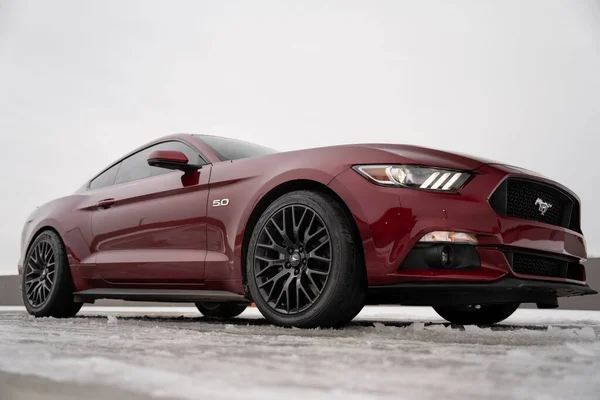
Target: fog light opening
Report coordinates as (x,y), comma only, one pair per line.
(447,256)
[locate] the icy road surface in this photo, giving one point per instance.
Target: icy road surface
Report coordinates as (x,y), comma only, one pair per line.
(386,353)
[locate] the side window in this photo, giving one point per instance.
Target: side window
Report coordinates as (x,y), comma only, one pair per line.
(136,166)
(106,178)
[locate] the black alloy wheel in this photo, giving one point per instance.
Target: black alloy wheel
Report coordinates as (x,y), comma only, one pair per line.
(47,286)
(303,266)
(40,272)
(292,259)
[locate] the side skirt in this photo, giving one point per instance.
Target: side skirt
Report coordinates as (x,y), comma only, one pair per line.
(158,295)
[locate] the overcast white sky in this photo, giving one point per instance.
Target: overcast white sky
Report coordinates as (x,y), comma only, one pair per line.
(81,83)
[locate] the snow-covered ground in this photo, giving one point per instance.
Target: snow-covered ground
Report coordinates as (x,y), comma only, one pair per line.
(387,352)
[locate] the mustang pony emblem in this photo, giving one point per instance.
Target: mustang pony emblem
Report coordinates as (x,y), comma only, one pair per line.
(543,206)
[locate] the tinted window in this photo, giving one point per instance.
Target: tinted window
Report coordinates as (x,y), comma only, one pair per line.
(231,149)
(106,178)
(136,166)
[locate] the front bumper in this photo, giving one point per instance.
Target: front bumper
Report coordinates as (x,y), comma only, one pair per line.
(506,290)
(392,220)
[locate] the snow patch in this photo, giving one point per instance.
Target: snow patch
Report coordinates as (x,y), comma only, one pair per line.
(410,353)
(581,350)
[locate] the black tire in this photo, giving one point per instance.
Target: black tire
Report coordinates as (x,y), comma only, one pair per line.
(343,290)
(486,314)
(47,253)
(215,309)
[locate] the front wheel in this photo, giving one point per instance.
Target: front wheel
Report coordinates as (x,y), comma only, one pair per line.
(303,266)
(484,314)
(47,285)
(215,309)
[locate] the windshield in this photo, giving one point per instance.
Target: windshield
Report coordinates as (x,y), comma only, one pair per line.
(231,149)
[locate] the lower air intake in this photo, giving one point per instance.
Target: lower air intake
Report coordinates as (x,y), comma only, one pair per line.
(536,265)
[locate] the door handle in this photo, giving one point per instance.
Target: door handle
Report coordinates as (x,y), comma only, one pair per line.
(104,204)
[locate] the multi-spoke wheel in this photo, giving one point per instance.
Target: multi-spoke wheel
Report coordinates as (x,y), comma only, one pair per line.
(292,259)
(47,287)
(302,265)
(477,314)
(39,273)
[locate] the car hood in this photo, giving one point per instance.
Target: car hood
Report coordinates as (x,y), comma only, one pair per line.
(431,157)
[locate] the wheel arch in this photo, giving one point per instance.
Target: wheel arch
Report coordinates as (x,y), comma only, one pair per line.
(282,189)
(27,246)
(35,228)
(37,232)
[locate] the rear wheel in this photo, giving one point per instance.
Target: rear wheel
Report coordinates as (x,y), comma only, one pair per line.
(215,309)
(484,314)
(47,285)
(303,266)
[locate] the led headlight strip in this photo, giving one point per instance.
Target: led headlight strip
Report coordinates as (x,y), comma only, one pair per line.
(412,176)
(439,182)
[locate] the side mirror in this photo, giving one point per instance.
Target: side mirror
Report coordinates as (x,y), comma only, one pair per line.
(171,159)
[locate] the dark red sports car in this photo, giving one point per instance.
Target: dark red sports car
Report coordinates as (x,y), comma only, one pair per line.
(310,236)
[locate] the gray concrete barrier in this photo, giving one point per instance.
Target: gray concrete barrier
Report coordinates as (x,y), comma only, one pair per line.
(11,296)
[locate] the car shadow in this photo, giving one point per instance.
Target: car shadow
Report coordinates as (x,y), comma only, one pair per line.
(357,323)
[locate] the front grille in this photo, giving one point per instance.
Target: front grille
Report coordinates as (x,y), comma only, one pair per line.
(533,264)
(522,199)
(526,199)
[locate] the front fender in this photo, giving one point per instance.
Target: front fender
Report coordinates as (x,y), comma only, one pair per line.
(284,178)
(31,229)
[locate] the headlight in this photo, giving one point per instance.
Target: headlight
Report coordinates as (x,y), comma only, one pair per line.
(415,177)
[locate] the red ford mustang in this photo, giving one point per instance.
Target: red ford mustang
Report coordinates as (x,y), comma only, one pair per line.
(310,236)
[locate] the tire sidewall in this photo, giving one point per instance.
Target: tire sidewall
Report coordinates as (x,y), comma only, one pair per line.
(221,310)
(488,314)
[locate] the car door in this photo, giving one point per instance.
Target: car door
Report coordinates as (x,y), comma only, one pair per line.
(150,226)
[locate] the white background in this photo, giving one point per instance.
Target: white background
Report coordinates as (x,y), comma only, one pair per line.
(82,83)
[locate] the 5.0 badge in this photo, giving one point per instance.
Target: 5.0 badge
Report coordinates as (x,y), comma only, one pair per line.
(220,203)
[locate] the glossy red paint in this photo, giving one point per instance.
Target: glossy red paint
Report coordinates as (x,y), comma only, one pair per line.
(398,218)
(168,156)
(166,232)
